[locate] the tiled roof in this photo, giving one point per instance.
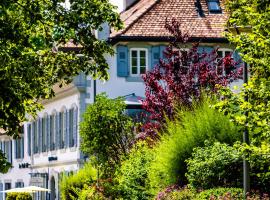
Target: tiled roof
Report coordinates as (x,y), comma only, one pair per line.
(147,19)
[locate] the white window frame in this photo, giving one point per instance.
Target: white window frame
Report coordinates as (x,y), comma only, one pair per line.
(223,50)
(138,61)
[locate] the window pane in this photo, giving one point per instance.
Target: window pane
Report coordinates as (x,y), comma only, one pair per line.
(143,62)
(220,54)
(143,70)
(142,54)
(214,6)
(134,70)
(134,54)
(227,53)
(134,62)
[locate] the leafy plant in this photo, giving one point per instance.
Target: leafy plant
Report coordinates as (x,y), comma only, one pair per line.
(217,165)
(4,164)
(132,177)
(174,193)
(106,131)
(221,193)
(189,130)
(33,34)
(18,196)
(252,20)
(180,77)
(71,186)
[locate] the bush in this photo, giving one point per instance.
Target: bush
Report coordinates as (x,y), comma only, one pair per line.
(106,132)
(217,165)
(19,196)
(189,130)
(182,194)
(71,186)
(221,193)
(132,177)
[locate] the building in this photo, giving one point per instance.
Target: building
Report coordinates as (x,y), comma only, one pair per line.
(49,145)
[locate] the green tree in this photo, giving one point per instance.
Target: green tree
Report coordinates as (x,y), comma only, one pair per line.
(4,165)
(32,33)
(254,46)
(106,131)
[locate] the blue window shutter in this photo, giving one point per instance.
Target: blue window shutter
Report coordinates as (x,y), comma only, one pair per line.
(10,151)
(155,56)
(237,58)
(162,49)
(29,139)
(1,189)
(75,121)
(122,61)
(67,129)
(22,147)
(33,138)
(57,133)
(15,149)
(40,135)
(48,132)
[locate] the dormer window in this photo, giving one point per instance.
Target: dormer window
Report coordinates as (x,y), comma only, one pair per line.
(214,6)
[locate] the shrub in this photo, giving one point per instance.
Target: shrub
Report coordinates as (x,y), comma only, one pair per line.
(70,186)
(19,196)
(221,193)
(132,176)
(189,130)
(106,131)
(182,194)
(259,159)
(217,165)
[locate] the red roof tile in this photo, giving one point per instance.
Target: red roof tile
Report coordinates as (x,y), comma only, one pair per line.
(147,19)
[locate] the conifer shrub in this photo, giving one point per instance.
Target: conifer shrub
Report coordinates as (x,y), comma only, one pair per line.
(181,136)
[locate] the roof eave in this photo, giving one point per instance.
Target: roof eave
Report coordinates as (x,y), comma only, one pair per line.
(117,39)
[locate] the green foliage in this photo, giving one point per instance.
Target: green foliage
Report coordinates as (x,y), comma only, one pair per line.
(31,33)
(106,131)
(221,193)
(190,130)
(71,186)
(132,177)
(183,194)
(254,46)
(259,159)
(217,165)
(91,193)
(18,196)
(4,165)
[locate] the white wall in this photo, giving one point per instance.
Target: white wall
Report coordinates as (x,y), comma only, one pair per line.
(119,4)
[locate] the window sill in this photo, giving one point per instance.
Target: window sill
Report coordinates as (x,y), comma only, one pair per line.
(134,79)
(72,149)
(44,153)
(19,159)
(62,150)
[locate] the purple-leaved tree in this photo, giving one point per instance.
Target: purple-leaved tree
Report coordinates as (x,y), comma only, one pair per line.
(181,77)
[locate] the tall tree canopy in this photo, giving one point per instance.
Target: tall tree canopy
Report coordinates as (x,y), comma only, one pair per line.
(31,32)
(252,19)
